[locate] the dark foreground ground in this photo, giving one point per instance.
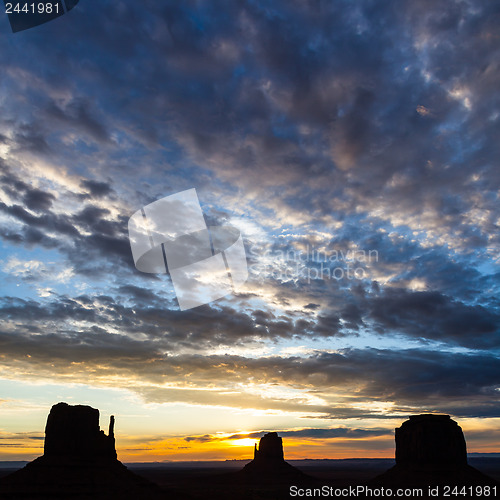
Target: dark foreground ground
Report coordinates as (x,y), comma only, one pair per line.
(214,480)
(194,477)
(221,480)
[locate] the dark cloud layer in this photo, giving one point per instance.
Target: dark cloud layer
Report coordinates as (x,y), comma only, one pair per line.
(417,379)
(311,433)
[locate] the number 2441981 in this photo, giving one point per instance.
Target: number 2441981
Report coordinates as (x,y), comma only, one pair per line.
(32,8)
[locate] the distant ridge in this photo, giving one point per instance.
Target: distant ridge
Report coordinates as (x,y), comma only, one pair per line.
(5,464)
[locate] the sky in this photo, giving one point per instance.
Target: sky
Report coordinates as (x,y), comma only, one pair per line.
(354,145)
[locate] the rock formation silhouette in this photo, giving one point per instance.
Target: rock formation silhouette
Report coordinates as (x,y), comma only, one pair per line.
(267,476)
(430,439)
(268,458)
(269,465)
(270,449)
(74,431)
(79,461)
(431,450)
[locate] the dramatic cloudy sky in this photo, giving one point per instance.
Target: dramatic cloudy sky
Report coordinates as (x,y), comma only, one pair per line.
(355,146)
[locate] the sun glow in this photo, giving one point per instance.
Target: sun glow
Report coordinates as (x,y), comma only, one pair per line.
(243,442)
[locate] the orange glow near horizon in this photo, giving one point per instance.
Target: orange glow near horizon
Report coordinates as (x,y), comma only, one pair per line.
(178,449)
(133,446)
(221,449)
(245,442)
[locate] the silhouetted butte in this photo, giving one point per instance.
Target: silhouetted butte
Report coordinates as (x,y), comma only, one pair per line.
(431,450)
(269,463)
(79,461)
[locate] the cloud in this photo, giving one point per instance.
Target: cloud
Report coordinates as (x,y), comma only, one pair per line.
(29,138)
(321,433)
(432,315)
(200,439)
(350,383)
(76,115)
(308,433)
(38,200)
(97,189)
